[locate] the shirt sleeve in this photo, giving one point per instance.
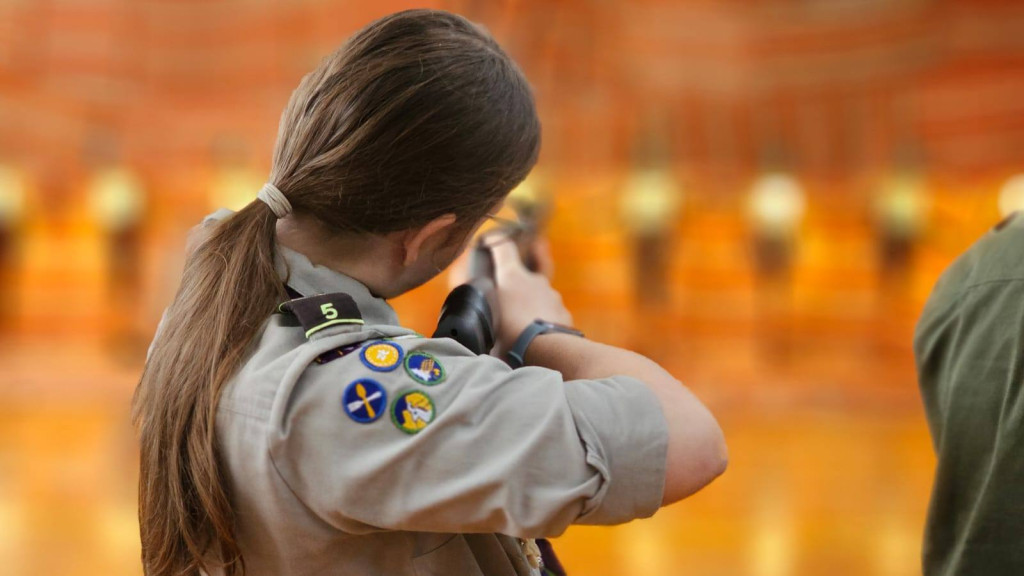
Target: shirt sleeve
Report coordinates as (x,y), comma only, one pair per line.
(518,452)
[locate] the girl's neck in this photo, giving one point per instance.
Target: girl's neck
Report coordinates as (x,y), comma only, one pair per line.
(370,259)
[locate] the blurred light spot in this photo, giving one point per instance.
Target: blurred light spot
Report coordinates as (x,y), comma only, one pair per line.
(527,192)
(120,530)
(1011,197)
(899,547)
(651,200)
(234,188)
(12,194)
(772,544)
(647,550)
(902,206)
(12,536)
(776,204)
(117,199)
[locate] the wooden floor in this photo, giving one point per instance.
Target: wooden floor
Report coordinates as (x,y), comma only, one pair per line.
(806,493)
(823,479)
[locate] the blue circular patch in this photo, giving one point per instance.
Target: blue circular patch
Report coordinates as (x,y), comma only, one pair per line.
(364,400)
(424,368)
(381,356)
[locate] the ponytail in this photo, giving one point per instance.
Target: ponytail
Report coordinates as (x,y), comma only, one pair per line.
(228,289)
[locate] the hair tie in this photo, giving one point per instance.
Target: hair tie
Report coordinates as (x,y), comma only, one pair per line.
(271,196)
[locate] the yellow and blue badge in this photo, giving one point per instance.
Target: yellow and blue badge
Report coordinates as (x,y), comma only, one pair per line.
(365,400)
(412,411)
(381,356)
(424,368)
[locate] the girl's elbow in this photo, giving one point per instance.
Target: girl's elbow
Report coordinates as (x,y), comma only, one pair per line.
(715,457)
(721,458)
(692,469)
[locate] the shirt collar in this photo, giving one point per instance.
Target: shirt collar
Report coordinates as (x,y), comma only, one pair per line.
(311,280)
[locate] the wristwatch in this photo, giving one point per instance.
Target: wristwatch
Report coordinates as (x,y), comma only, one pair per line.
(516,356)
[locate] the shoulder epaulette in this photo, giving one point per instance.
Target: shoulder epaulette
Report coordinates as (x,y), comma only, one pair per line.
(318,312)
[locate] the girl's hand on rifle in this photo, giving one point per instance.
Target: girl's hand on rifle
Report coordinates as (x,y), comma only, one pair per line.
(523,296)
(540,249)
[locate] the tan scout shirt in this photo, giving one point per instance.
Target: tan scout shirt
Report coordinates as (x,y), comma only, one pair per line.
(422,468)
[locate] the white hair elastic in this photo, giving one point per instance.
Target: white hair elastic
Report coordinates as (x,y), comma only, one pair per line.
(274,198)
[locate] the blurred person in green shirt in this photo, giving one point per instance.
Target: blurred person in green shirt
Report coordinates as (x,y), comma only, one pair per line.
(969,347)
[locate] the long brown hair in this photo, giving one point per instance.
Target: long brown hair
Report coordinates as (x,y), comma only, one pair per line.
(417,115)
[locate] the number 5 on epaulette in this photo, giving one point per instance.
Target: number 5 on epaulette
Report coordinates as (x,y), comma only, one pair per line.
(318,312)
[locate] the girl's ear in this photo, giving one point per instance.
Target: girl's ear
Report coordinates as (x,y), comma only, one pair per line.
(435,231)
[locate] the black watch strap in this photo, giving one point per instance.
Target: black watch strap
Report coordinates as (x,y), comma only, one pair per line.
(516,357)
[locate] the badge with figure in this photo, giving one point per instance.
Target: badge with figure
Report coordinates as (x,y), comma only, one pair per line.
(381,356)
(365,400)
(424,368)
(412,411)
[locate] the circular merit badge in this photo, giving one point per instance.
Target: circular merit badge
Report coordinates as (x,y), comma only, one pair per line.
(381,356)
(424,368)
(365,400)
(412,411)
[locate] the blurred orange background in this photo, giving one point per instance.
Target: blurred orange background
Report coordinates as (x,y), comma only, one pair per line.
(758,194)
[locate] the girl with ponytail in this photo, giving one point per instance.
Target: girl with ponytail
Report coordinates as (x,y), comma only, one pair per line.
(266,446)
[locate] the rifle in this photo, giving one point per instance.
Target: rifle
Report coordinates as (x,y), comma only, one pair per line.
(469,314)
